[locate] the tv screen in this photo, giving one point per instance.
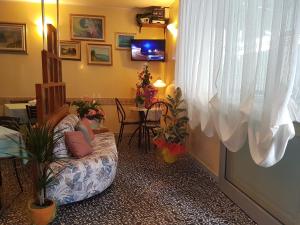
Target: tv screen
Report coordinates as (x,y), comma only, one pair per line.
(148,50)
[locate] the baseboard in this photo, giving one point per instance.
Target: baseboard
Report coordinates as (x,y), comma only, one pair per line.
(205,168)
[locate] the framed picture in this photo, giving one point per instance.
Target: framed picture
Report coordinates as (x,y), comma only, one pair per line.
(99,54)
(13,38)
(70,50)
(87,27)
(123,40)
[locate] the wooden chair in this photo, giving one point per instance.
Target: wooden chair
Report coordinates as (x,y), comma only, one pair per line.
(154,117)
(10,122)
(31,114)
(123,120)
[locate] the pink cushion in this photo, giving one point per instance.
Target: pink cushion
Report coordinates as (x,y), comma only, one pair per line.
(87,124)
(76,144)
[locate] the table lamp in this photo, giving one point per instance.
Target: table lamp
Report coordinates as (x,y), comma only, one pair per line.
(159,84)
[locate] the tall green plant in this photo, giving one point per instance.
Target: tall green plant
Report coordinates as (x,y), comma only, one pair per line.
(40,141)
(175,130)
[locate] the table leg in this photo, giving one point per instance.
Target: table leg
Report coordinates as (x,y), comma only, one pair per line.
(132,136)
(142,117)
(17,174)
(140,136)
(0,190)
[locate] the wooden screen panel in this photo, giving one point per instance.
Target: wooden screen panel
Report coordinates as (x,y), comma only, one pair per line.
(50,98)
(51,94)
(51,39)
(52,69)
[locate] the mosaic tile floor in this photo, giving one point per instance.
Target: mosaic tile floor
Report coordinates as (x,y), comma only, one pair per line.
(146,191)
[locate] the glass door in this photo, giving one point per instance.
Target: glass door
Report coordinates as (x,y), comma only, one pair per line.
(276,189)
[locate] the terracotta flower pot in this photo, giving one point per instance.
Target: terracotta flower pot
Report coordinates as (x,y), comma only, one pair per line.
(42,215)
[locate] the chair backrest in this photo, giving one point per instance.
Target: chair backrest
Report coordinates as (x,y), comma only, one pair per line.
(156,111)
(10,122)
(31,113)
(120,110)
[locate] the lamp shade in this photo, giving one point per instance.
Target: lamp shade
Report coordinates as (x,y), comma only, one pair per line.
(159,83)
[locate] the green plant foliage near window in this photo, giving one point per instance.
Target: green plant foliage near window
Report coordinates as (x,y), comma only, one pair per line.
(176,129)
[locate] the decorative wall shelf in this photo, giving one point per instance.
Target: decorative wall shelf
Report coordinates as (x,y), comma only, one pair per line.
(153,25)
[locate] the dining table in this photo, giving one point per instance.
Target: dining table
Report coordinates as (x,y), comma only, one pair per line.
(154,114)
(11,147)
(17,110)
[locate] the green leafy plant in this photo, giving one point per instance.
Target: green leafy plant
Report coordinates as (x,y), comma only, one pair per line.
(176,129)
(90,109)
(40,140)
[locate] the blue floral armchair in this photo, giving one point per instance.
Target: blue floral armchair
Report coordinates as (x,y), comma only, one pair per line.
(85,177)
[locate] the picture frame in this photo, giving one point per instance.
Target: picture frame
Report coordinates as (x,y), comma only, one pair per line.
(13,38)
(87,27)
(70,50)
(123,40)
(99,54)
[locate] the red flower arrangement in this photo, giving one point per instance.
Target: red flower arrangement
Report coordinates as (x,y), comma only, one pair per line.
(90,109)
(175,149)
(145,91)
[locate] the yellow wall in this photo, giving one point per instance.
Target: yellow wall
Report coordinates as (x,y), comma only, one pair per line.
(171,44)
(19,73)
(205,150)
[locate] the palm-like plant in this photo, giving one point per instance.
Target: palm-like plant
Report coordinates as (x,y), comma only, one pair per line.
(40,141)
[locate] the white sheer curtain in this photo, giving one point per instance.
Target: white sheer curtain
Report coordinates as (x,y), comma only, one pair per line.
(238,64)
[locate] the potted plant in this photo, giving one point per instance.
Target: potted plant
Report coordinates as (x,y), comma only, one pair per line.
(170,140)
(40,141)
(90,109)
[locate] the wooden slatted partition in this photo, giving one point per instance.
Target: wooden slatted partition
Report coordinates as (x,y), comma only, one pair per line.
(51,94)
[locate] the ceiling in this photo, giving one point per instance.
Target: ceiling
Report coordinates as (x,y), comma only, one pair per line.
(107,3)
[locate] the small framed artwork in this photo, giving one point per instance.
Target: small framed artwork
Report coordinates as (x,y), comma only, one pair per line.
(87,27)
(70,50)
(13,38)
(99,54)
(123,40)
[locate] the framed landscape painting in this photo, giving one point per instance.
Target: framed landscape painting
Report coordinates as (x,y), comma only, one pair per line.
(123,40)
(13,38)
(87,27)
(99,54)
(70,50)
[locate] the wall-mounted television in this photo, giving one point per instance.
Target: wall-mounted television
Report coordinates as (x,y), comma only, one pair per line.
(148,50)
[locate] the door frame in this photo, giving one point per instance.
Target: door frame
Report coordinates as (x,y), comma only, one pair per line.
(247,204)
